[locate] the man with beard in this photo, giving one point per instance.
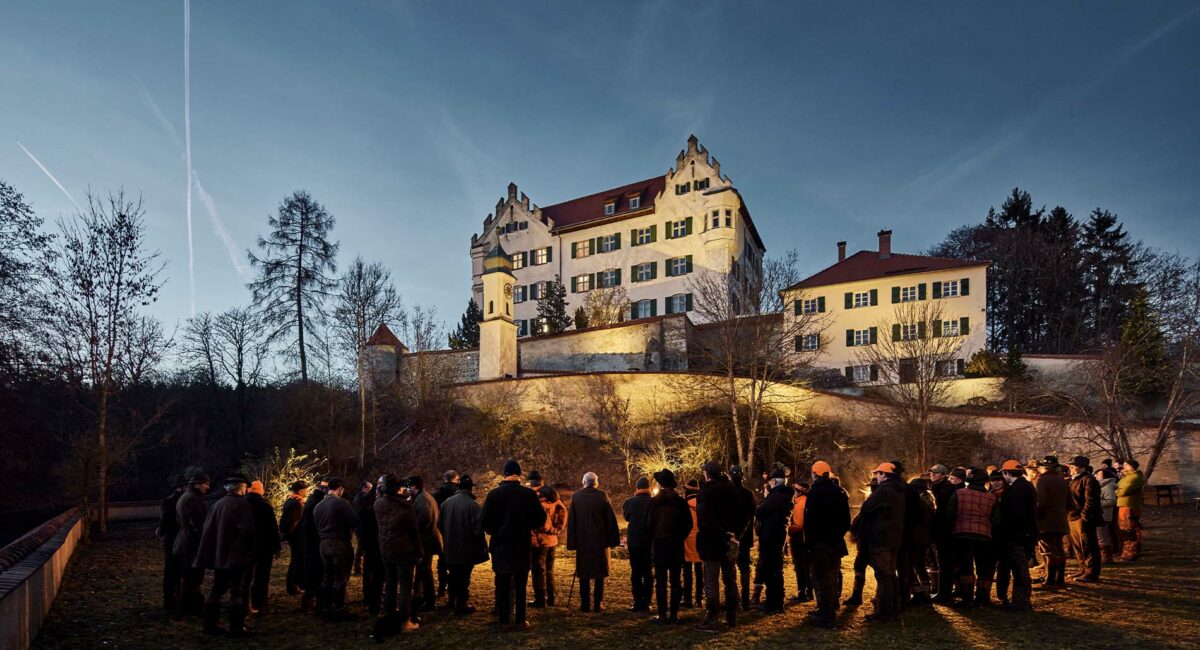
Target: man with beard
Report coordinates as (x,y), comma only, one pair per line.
(226,544)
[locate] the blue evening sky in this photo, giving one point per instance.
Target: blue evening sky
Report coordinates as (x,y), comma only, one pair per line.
(407,119)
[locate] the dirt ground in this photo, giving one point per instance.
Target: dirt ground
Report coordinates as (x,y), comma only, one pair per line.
(111,598)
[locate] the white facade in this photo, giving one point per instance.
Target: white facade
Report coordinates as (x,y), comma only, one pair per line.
(654,237)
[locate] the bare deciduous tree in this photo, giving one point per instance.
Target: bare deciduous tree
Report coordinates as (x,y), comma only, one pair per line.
(228,351)
(605,305)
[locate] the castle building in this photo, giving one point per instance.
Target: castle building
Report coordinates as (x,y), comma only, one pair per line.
(861,299)
(648,237)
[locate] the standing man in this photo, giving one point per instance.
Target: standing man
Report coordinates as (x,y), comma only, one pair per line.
(190,514)
(826,521)
(510,512)
(399,549)
(447,489)
(1018,531)
(226,544)
(336,522)
(1083,517)
(772,516)
(293,534)
(313,569)
(668,524)
(431,543)
(973,510)
(1129,511)
(591,531)
(920,517)
(168,528)
(266,546)
(545,546)
(881,526)
(637,541)
(368,549)
(463,544)
(721,515)
(746,539)
(1053,498)
(942,575)
(796,545)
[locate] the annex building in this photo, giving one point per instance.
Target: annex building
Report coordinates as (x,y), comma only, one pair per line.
(647,237)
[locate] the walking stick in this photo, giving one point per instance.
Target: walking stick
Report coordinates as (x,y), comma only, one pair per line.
(574,574)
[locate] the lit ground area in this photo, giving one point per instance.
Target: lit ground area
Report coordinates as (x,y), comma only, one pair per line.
(110,598)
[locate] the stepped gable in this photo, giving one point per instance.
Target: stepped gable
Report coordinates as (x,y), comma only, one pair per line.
(591,207)
(384,336)
(866,265)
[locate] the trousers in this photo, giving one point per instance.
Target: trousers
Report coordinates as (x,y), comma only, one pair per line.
(640,577)
(824,562)
(542,566)
(397,587)
(510,596)
(883,565)
(1086,547)
(717,572)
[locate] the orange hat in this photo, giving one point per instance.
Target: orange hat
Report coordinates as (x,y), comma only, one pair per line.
(821,468)
(256,488)
(1012,465)
(886,468)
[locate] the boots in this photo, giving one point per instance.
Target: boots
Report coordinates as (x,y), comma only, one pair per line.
(966,591)
(212,614)
(237,621)
(1106,554)
(855,599)
(983,595)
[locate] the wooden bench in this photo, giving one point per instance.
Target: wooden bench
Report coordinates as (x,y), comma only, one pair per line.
(1169,490)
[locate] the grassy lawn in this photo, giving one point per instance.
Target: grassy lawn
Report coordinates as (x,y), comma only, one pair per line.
(111,594)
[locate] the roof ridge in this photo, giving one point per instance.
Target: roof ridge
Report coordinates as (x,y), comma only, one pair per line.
(601,192)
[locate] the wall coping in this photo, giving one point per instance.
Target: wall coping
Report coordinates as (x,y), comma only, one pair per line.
(23,546)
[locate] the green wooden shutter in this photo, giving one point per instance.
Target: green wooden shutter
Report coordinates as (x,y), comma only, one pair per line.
(653,270)
(850,373)
(654,307)
(667,230)
(937,328)
(849,338)
(921,330)
(573,245)
(921,291)
(874,297)
(895,331)
(574,284)
(530,257)
(874,372)
(618,279)
(964,326)
(937,290)
(653,233)
(667,269)
(591,280)
(618,242)
(549,254)
(895,295)
(688,301)
(798,345)
(688,265)
(633,238)
(849,300)
(796,306)
(687,228)
(960,365)
(874,335)
(964,287)
(820,301)
(633,274)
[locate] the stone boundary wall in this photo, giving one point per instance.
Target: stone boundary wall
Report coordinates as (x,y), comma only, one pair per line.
(31,571)
(648,344)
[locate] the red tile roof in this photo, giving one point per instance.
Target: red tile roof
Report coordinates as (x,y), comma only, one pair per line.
(384,336)
(591,207)
(865,265)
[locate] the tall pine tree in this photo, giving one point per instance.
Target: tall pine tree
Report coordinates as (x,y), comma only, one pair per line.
(552,309)
(1110,269)
(1143,342)
(466,335)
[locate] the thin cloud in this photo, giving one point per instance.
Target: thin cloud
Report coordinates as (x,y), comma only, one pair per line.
(231,247)
(48,174)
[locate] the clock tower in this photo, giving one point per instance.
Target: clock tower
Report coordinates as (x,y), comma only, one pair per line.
(497,331)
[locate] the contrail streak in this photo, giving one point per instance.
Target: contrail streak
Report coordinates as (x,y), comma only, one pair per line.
(48,174)
(187,135)
(235,253)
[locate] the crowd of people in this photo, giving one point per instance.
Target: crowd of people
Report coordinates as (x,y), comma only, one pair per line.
(956,537)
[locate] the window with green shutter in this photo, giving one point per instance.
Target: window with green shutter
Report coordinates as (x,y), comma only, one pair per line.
(820,299)
(964,325)
(964,287)
(849,338)
(874,297)
(895,295)
(895,331)
(937,328)
(874,335)
(937,290)
(921,291)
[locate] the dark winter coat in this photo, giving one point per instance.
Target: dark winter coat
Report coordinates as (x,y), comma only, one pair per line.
(880,522)
(228,537)
(942,491)
(462,538)
(397,523)
(266,531)
(720,511)
(190,512)
(635,510)
(772,516)
(368,527)
(510,513)
(427,523)
(827,515)
(445,491)
(1018,514)
(289,522)
(335,518)
(313,568)
(591,531)
(1053,498)
(168,521)
(1085,499)
(668,523)
(749,506)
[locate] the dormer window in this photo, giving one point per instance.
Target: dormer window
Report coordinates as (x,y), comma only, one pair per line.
(635,202)
(610,207)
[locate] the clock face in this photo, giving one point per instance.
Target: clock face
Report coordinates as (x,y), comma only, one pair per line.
(508,290)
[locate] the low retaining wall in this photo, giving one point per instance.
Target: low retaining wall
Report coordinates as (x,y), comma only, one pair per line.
(31,569)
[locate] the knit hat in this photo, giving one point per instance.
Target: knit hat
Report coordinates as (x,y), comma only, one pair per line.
(643,483)
(256,487)
(465,483)
(511,468)
(665,478)
(821,468)
(939,469)
(959,473)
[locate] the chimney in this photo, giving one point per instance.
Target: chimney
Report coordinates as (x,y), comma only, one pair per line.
(841,251)
(885,244)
